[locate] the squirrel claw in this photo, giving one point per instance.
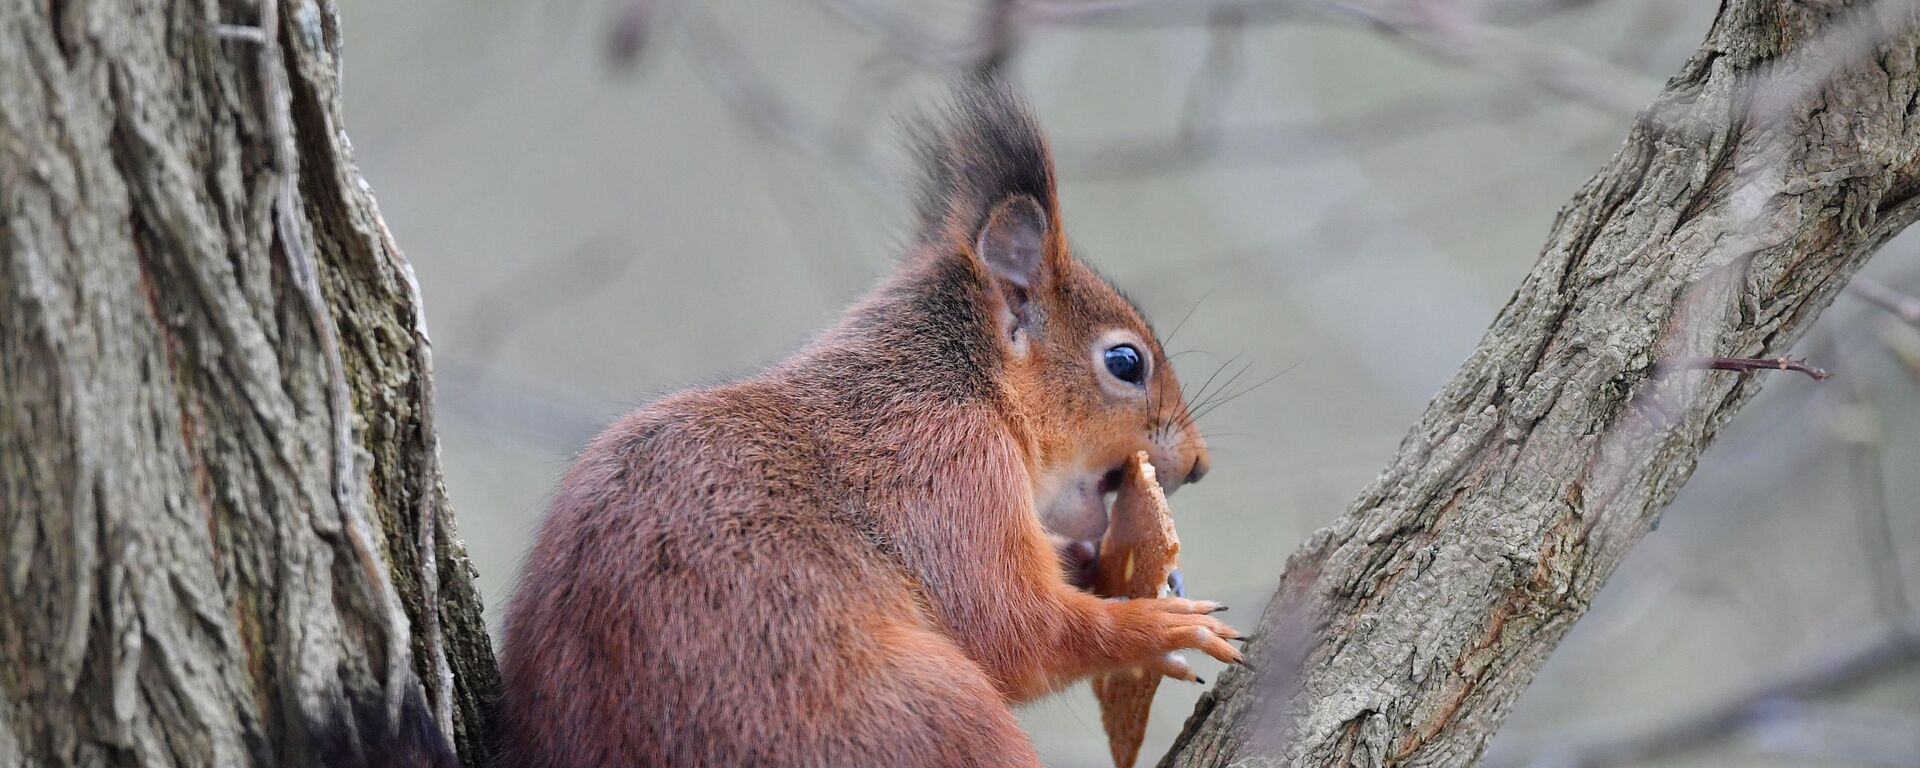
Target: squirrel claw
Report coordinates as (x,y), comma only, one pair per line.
(1171,665)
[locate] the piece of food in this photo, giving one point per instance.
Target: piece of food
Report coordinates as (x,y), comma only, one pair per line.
(1136,556)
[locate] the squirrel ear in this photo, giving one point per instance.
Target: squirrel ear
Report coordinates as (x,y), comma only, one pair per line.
(1013,245)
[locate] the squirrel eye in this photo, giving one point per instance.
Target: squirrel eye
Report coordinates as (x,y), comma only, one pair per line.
(1125,363)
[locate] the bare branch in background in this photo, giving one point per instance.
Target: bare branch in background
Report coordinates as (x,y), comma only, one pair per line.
(761,105)
(1842,670)
(1166,13)
(999,33)
(1449,31)
(1857,427)
(1385,125)
(1898,304)
(631,29)
(1902,342)
(1349,226)
(540,287)
(1644,36)
(1212,84)
(903,35)
(1529,11)
(1856,735)
(555,423)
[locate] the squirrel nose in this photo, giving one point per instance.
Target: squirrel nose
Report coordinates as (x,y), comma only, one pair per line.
(1199,468)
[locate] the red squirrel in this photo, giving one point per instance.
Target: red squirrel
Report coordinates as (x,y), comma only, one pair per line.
(842,561)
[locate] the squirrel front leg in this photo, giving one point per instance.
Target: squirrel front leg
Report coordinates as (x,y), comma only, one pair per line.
(1088,634)
(996,584)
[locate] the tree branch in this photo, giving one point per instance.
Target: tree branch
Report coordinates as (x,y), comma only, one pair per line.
(1738,208)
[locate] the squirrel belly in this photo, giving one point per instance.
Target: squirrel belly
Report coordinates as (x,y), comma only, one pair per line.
(842,560)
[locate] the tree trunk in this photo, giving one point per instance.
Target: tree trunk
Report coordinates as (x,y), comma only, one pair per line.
(1775,163)
(221,509)
(220,502)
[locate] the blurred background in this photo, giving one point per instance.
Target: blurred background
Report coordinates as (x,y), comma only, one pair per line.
(608,200)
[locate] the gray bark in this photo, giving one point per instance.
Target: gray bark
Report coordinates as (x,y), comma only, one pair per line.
(220,504)
(221,508)
(1774,164)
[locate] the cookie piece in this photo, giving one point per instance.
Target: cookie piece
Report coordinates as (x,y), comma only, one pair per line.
(1136,556)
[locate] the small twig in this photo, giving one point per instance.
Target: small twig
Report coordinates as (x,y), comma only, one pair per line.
(1737,364)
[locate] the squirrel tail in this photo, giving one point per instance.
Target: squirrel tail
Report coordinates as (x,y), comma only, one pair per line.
(358,734)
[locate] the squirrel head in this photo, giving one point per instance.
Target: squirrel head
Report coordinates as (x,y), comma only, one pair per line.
(1082,376)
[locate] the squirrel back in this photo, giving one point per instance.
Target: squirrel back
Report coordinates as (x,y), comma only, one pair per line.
(841,560)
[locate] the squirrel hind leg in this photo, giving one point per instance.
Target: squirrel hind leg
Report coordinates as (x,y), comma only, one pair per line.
(936,706)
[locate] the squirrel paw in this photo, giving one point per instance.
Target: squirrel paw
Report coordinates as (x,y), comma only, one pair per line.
(1181,624)
(1171,665)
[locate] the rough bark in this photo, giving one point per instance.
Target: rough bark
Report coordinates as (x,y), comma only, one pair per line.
(1773,165)
(221,508)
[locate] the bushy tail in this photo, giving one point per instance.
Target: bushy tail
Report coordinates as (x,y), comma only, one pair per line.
(360,735)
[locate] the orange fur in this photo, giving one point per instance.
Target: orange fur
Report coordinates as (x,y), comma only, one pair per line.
(842,560)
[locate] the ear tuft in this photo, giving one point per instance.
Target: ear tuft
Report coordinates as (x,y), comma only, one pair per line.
(983,150)
(1013,242)
(987,187)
